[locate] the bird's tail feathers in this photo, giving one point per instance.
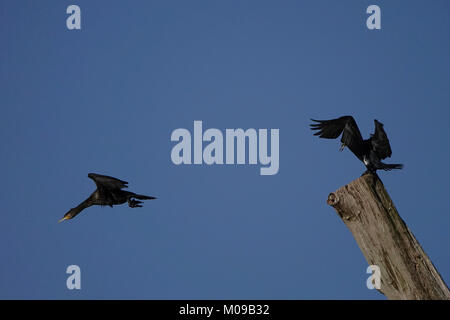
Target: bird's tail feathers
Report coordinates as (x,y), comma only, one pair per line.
(391,166)
(142,197)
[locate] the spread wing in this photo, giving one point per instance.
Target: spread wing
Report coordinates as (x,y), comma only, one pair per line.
(331,129)
(107,182)
(380,141)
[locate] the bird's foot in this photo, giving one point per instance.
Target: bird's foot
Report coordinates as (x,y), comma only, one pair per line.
(134,203)
(374,173)
(366,172)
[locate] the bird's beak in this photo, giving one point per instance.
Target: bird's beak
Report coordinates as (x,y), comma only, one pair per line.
(342,147)
(63,218)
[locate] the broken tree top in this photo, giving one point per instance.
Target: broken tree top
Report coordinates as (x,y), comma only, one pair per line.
(386,241)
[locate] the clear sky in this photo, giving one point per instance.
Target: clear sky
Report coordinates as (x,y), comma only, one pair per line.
(106,99)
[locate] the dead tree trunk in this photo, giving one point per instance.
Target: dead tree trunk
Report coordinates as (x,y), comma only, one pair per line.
(385,240)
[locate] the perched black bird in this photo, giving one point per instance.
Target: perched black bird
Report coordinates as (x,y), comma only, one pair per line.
(370,151)
(108,193)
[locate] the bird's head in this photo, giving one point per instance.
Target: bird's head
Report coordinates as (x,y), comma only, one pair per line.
(69,215)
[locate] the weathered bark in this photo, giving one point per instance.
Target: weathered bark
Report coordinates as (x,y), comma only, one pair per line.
(385,240)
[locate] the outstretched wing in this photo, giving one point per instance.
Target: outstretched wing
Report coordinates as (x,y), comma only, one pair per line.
(380,141)
(331,129)
(107,182)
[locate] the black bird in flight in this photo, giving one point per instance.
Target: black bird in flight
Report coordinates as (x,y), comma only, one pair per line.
(108,193)
(370,151)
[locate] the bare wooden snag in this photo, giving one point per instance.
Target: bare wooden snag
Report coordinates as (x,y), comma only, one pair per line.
(385,240)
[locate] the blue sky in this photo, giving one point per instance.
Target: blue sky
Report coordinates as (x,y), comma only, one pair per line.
(106,99)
